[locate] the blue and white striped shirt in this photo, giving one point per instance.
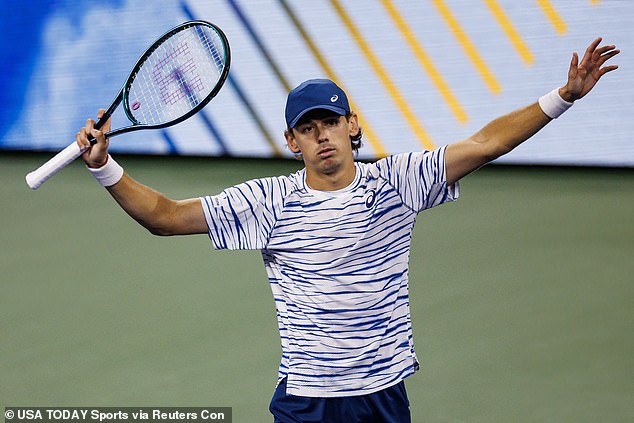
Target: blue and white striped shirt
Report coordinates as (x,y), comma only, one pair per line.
(337,263)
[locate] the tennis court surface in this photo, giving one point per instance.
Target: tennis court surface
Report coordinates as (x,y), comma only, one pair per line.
(522,297)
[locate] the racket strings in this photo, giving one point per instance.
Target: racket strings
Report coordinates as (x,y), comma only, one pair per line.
(177,76)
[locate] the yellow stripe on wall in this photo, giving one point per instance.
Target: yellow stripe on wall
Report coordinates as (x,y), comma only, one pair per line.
(426,62)
(391,88)
(555,19)
(510,31)
(468,46)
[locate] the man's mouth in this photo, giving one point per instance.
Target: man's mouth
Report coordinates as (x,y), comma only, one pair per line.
(325,153)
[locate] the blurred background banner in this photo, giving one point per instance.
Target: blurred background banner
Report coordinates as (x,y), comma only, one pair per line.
(421,74)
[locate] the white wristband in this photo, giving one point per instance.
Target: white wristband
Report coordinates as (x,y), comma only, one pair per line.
(553,105)
(108,174)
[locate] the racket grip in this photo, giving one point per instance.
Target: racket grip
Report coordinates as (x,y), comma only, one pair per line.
(55,164)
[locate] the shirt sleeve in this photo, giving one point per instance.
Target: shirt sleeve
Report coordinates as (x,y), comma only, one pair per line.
(242,217)
(420,178)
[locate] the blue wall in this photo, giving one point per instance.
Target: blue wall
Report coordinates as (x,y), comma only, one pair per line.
(405,65)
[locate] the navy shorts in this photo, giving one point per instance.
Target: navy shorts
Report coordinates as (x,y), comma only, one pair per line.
(388,406)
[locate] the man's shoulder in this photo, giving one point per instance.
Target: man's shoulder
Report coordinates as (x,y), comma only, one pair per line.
(386,163)
(403,158)
(278,186)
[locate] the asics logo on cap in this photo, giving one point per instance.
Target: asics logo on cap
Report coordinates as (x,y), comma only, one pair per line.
(314,94)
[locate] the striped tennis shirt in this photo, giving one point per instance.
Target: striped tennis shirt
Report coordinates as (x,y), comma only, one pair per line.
(337,262)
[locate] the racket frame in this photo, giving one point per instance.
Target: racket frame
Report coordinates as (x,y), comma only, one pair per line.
(40,175)
(125,90)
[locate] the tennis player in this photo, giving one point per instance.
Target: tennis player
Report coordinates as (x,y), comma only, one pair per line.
(335,239)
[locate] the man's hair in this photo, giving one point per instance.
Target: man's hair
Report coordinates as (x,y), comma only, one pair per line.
(355,140)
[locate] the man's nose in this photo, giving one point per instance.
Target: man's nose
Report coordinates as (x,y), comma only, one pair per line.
(321,133)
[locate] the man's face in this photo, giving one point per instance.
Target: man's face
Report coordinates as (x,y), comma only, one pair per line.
(323,139)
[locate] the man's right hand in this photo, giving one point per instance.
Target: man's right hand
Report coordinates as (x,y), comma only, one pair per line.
(97,155)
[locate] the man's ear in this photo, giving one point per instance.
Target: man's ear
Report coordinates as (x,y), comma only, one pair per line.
(290,141)
(353,124)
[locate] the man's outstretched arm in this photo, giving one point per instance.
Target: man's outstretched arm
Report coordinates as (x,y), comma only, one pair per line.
(153,210)
(507,132)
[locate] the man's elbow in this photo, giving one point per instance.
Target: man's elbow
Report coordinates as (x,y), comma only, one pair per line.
(486,147)
(160,232)
(157,228)
(164,221)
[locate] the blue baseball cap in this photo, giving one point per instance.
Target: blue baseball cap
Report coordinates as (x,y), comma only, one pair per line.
(315,94)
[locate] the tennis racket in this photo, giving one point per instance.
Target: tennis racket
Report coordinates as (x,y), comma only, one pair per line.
(173,80)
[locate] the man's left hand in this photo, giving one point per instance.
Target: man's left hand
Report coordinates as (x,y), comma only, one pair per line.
(582,77)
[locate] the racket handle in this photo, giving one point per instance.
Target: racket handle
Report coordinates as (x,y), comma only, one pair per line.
(55,164)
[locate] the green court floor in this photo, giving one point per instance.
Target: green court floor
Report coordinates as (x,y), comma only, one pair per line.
(522,297)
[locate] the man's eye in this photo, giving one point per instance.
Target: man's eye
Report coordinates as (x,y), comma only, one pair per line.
(306,129)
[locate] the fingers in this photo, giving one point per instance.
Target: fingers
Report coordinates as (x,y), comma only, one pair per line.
(584,74)
(105,127)
(606,56)
(82,137)
(604,49)
(90,125)
(587,56)
(608,69)
(574,66)
(97,135)
(593,46)
(93,142)
(596,56)
(594,51)
(601,51)
(603,54)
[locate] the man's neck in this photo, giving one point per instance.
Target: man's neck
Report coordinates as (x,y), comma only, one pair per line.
(331,181)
